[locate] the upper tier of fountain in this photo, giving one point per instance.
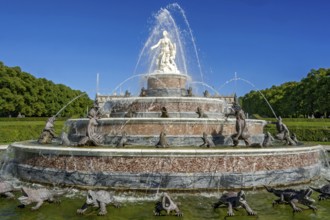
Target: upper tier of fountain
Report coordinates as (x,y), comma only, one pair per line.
(166,88)
(167,105)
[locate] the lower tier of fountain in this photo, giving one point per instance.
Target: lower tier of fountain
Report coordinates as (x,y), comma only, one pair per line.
(170,169)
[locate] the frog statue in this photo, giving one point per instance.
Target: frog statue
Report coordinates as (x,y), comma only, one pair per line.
(234,200)
(167,204)
(293,197)
(99,199)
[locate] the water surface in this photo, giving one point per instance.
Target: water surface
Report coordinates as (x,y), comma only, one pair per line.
(140,206)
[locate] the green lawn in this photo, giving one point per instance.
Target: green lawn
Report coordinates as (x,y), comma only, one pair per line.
(20,130)
(304,122)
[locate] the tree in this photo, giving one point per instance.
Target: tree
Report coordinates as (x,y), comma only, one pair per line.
(309,96)
(21,92)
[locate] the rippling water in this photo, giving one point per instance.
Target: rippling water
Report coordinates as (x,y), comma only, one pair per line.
(140,206)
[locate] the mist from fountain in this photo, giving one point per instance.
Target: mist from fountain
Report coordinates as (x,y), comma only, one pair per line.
(126,80)
(176,5)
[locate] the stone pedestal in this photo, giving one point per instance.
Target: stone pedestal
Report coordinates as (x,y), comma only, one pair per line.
(166,84)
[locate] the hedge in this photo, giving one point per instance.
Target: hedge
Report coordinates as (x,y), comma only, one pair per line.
(24,131)
(306,133)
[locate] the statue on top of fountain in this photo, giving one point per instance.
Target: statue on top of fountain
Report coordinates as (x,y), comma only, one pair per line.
(166,58)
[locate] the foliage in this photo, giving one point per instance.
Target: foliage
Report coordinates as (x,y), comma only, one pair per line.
(306,129)
(21,92)
(310,96)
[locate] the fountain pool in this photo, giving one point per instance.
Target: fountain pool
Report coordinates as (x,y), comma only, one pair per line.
(140,206)
(138,119)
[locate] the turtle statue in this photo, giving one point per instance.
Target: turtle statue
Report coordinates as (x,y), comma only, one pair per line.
(166,204)
(99,199)
(234,200)
(38,196)
(293,197)
(324,190)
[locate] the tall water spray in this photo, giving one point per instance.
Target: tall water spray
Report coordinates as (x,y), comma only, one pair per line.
(173,19)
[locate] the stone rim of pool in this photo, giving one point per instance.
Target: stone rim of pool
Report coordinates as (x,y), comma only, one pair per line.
(170,169)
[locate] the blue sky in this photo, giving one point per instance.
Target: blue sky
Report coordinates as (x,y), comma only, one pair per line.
(266,42)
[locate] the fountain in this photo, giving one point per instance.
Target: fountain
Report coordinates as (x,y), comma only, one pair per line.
(167,114)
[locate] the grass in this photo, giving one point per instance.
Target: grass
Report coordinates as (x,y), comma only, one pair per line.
(20,130)
(307,130)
